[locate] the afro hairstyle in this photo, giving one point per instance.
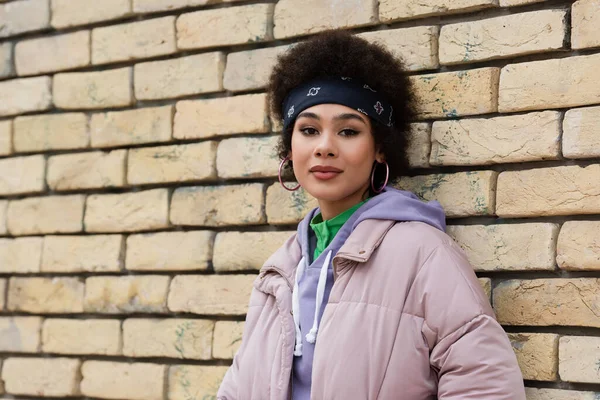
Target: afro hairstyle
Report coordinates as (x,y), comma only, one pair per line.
(339,53)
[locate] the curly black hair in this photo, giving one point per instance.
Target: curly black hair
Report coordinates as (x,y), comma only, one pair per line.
(339,53)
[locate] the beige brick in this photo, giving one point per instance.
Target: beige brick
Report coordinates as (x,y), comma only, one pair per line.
(553,83)
(211,294)
(557,394)
(24,16)
(173,337)
(285,207)
(89,336)
(301,17)
(585,21)
(486,285)
(511,3)
(170,251)
(20,334)
(6,139)
(200,73)
(418,47)
(501,37)
(54,53)
(461,194)
(3,296)
(90,90)
(453,94)
(393,10)
(139,126)
(51,214)
(56,377)
(126,294)
(510,247)
(20,175)
(218,205)
(89,170)
(3,211)
(19,96)
(133,41)
(579,359)
(248,157)
(547,302)
(21,255)
(127,212)
(223,116)
(530,137)
(145,6)
(419,145)
(6,60)
(177,163)
(537,354)
(51,132)
(93,253)
(45,295)
(202,381)
(249,70)
(579,246)
(252,249)
(228,338)
(581,133)
(224,26)
(114,380)
(67,13)
(564,190)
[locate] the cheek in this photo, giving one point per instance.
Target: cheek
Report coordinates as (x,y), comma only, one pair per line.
(361,155)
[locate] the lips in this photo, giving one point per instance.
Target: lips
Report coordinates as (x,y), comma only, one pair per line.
(324,168)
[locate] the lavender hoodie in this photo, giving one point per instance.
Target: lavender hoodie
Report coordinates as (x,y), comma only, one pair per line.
(393,205)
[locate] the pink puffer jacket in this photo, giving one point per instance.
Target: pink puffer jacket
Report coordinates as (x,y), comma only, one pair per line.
(406,319)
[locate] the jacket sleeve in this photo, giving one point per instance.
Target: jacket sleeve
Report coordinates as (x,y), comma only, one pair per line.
(468,347)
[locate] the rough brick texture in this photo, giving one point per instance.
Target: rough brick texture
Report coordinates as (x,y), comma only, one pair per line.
(90,90)
(132,41)
(251,249)
(218,205)
(208,118)
(501,37)
(89,336)
(114,295)
(585,19)
(530,137)
(255,157)
(224,26)
(247,70)
(544,84)
(51,132)
(91,253)
(392,10)
(183,76)
(56,377)
(170,251)
(6,137)
(285,207)
(127,212)
(203,381)
(66,13)
(53,54)
(114,380)
(565,190)
(24,16)
(198,294)
(25,95)
(537,354)
(21,255)
(20,175)
(579,359)
(227,339)
(581,136)
(298,17)
(6,60)
(20,334)
(46,295)
(578,246)
(86,170)
(51,214)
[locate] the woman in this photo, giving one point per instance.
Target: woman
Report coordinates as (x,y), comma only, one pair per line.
(370,299)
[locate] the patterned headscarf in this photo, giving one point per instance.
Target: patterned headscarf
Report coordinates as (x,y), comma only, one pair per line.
(337,90)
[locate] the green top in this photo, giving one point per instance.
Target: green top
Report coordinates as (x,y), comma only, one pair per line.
(326,230)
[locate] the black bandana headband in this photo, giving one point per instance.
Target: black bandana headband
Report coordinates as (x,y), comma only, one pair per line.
(341,90)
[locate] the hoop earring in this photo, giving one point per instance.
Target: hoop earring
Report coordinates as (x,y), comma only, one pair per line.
(281,180)
(387,175)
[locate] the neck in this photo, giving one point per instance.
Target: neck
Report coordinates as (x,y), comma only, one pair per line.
(331,209)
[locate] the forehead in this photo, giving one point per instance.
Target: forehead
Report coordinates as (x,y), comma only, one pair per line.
(331,110)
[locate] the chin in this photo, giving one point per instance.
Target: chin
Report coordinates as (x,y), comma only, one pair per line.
(330,194)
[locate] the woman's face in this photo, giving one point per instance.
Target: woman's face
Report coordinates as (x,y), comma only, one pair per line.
(333,151)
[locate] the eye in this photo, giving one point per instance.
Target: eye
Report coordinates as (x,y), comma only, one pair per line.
(309,131)
(349,132)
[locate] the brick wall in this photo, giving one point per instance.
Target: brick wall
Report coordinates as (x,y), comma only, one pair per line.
(138,193)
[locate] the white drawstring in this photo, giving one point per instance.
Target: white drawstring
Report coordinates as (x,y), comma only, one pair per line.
(311,337)
(296,308)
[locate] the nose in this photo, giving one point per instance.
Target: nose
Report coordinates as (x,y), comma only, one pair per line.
(325,146)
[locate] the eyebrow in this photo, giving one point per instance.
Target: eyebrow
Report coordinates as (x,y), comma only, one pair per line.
(339,117)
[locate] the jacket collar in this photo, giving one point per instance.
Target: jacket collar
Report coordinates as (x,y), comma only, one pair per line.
(359,247)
